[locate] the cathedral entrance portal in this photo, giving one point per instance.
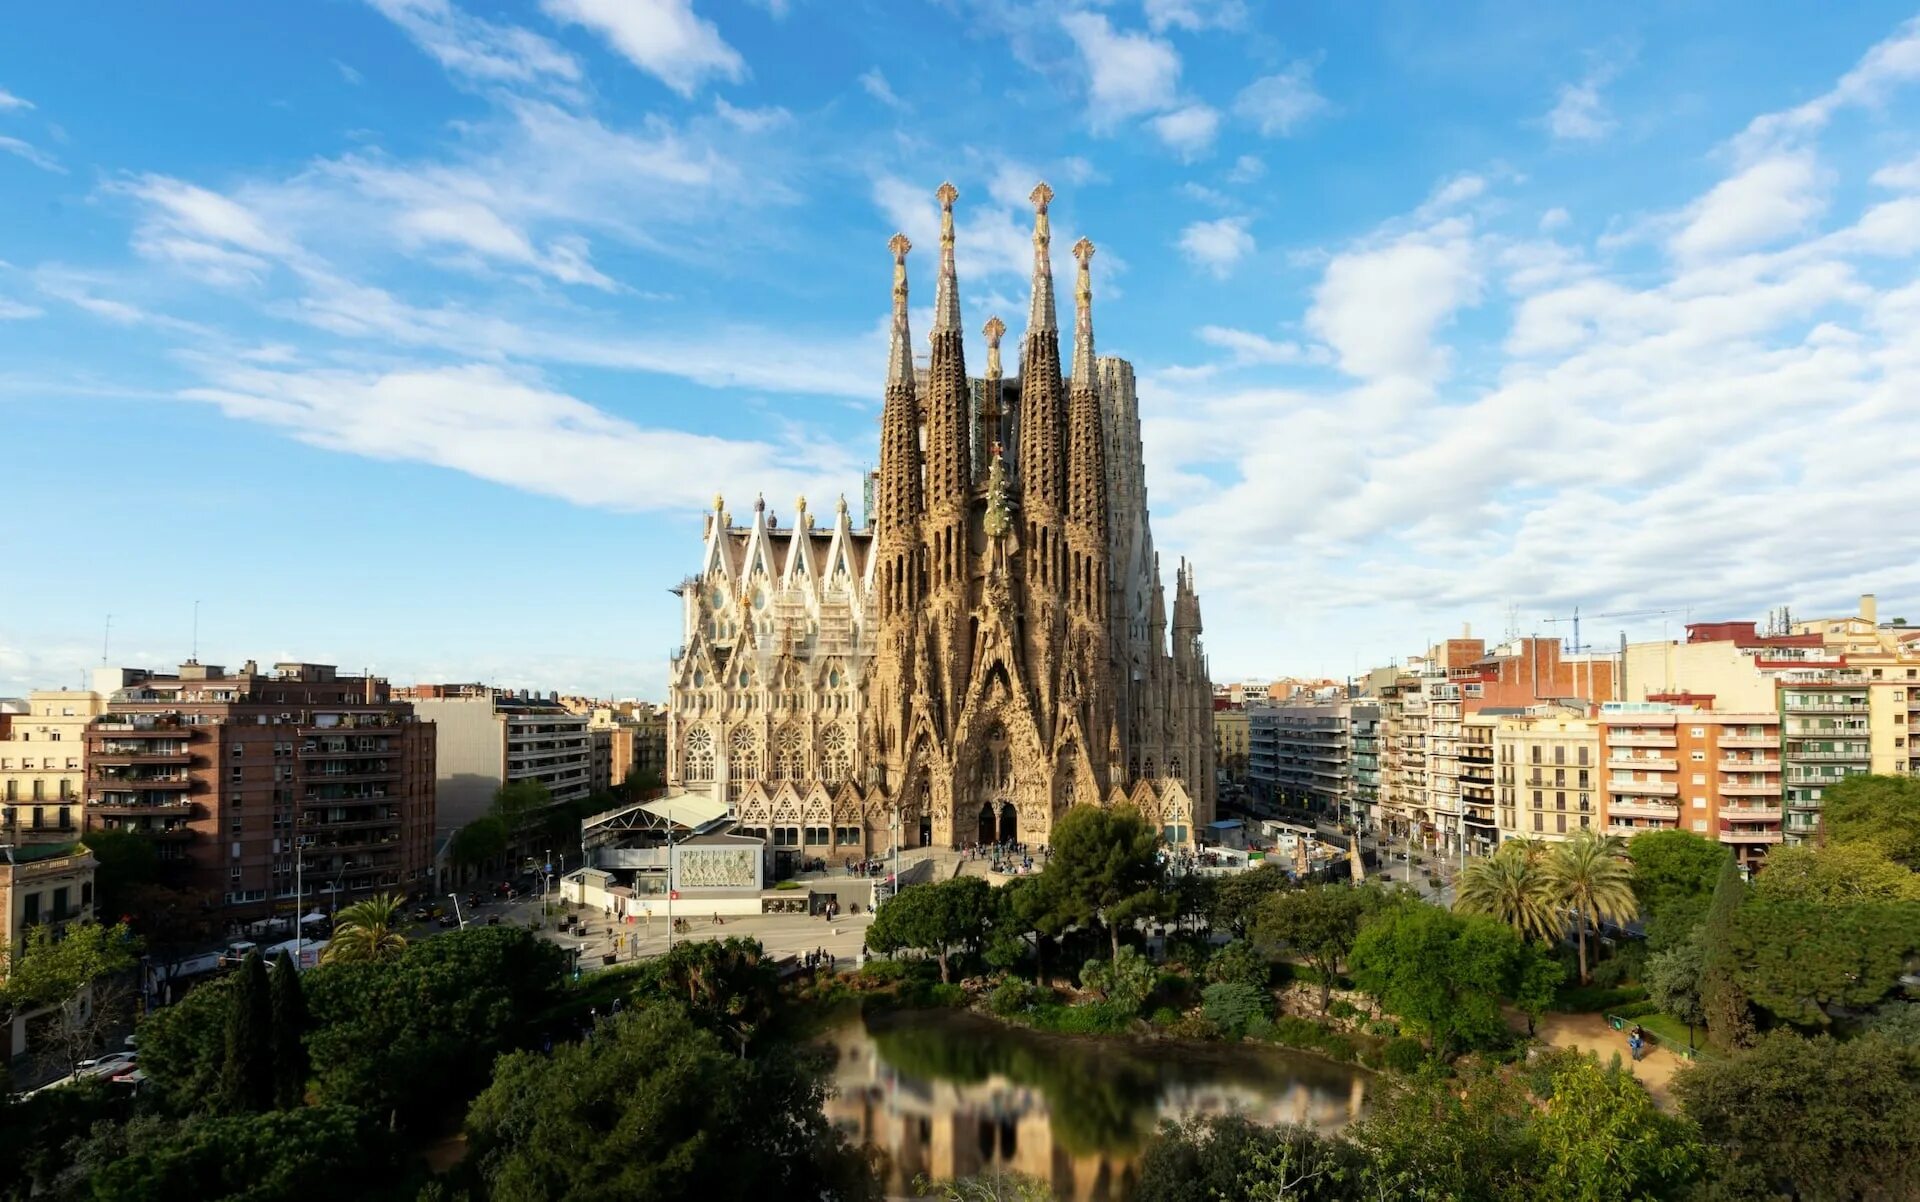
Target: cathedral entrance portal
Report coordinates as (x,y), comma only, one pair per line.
(999,822)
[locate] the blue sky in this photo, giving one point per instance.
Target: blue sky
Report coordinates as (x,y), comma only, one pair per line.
(416,334)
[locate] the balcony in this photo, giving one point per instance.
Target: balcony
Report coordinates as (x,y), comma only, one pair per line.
(1643,809)
(162,755)
(1824,705)
(1643,788)
(1640,738)
(1749,765)
(1769,788)
(1628,831)
(1769,739)
(131,808)
(1644,763)
(1749,814)
(104,781)
(1828,757)
(1727,836)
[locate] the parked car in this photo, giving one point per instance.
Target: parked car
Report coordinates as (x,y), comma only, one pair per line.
(132,1077)
(449,921)
(109,1064)
(426,913)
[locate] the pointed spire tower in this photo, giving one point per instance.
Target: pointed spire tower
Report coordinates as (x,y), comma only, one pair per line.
(1042,469)
(949,420)
(1086,457)
(898,534)
(987,438)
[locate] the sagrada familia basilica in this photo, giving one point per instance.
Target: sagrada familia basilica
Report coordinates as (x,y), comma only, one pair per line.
(990,648)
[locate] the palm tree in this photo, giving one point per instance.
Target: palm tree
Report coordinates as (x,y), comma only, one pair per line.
(365,931)
(1590,875)
(1512,886)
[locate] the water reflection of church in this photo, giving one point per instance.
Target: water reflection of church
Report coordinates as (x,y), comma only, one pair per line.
(945,1128)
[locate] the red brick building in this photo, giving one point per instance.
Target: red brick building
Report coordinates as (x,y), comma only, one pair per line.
(224,771)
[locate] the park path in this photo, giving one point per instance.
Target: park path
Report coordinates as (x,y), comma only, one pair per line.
(1592,1033)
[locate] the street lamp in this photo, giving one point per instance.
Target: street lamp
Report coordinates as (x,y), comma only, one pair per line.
(456,911)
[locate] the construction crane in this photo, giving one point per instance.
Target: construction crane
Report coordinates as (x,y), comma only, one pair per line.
(1575,646)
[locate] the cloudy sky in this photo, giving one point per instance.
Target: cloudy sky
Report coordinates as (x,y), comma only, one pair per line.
(416,334)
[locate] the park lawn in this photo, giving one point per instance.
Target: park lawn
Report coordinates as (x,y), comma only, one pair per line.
(1672,1034)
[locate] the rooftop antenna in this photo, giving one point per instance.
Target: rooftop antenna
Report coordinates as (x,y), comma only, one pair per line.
(106,637)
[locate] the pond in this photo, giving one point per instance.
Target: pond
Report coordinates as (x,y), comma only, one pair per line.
(952,1094)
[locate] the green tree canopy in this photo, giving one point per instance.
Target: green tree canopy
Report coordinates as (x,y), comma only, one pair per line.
(290,1065)
(278,1156)
(1443,974)
(724,985)
(1589,875)
(1318,923)
(658,1108)
(367,930)
(1881,810)
(1816,1119)
(1105,868)
(1234,900)
(246,1075)
(1836,874)
(1801,959)
(1674,873)
(482,841)
(1513,886)
(938,919)
(50,971)
(127,860)
(1673,980)
(1722,998)
(1602,1139)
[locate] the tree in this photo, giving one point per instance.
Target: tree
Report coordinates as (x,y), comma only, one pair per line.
(183,1048)
(1673,980)
(1880,810)
(1836,874)
(279,1156)
(1240,963)
(366,931)
(1443,974)
(1022,918)
(1319,923)
(1729,1015)
(1435,1139)
(1126,982)
(480,842)
(1674,873)
(726,986)
(1512,886)
(1815,1119)
(1201,1159)
(656,1107)
(1236,899)
(1801,959)
(1603,1140)
(1589,876)
(125,860)
(937,919)
(246,1076)
(80,975)
(1105,868)
(289,1007)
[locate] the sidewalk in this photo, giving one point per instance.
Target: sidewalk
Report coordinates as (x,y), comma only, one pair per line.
(780,934)
(1591,1032)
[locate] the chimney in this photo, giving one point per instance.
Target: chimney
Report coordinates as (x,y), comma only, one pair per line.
(1870,609)
(1466,630)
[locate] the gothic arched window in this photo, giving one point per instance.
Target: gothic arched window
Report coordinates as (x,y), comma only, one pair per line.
(1173,766)
(835,762)
(743,760)
(698,766)
(788,761)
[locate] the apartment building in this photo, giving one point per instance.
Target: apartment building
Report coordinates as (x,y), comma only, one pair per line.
(1479,801)
(47,884)
(489,738)
(1231,731)
(42,765)
(1548,774)
(1309,757)
(227,772)
(1675,765)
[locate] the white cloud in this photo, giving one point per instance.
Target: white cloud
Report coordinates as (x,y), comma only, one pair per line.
(1195,15)
(1888,64)
(12,310)
(752,121)
(349,73)
(1189,130)
(1380,307)
(1902,177)
(1246,169)
(875,84)
(1453,192)
(1580,114)
(1128,74)
(480,50)
(9,101)
(513,430)
(1768,200)
(1279,104)
(661,37)
(1249,348)
(32,154)
(1554,219)
(1217,246)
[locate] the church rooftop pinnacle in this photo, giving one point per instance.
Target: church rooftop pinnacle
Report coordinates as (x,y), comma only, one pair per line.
(900,353)
(946,301)
(1040,314)
(1083,314)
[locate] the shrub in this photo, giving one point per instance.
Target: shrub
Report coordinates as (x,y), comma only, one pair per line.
(1165,1017)
(1195,1026)
(1341,1008)
(1125,981)
(1297,1032)
(1583,999)
(1404,1055)
(883,971)
(1233,1004)
(946,995)
(1091,1018)
(1384,1027)
(1014,996)
(1238,963)
(1608,974)
(1636,1010)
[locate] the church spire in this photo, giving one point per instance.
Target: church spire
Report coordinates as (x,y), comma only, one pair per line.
(900,351)
(1040,311)
(946,302)
(987,438)
(1083,314)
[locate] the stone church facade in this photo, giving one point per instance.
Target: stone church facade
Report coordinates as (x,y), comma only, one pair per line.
(990,648)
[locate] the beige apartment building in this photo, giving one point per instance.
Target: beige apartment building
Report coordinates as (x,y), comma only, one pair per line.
(46,885)
(1715,773)
(1230,733)
(488,738)
(43,765)
(1548,762)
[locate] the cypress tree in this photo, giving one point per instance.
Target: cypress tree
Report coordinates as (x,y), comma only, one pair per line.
(246,1077)
(1729,1014)
(289,1036)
